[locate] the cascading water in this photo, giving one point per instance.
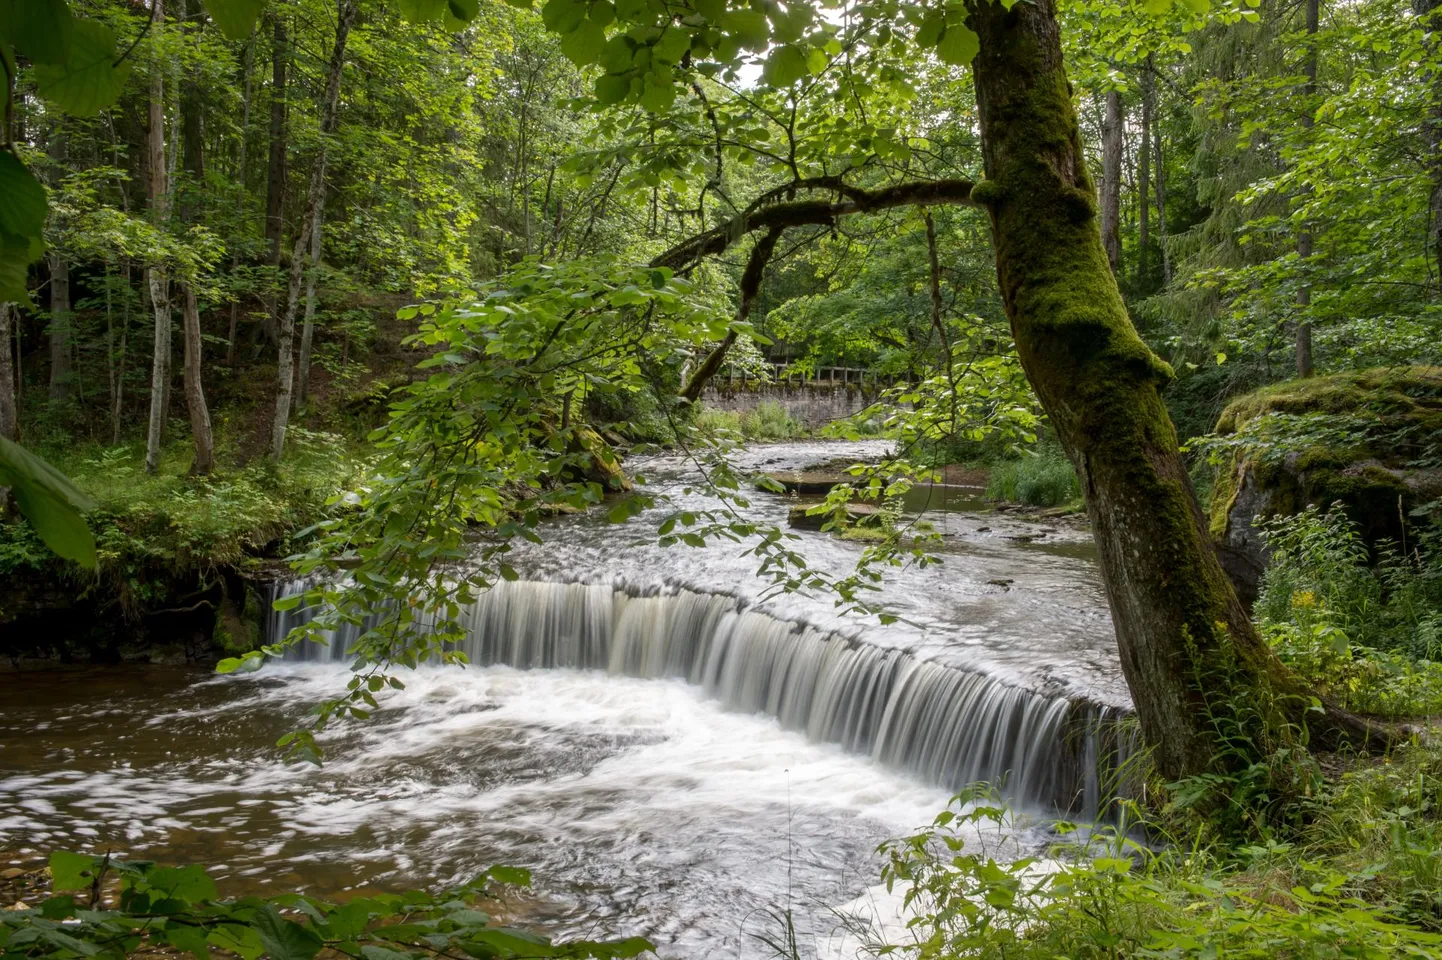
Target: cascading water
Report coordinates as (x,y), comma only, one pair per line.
(949,726)
(697,762)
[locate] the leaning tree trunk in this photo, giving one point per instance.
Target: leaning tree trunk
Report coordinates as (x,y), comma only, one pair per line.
(194,395)
(1189,650)
(345,16)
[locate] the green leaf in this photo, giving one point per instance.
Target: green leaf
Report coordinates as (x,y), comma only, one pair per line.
(931,27)
(1156,7)
(563,16)
(657,95)
(49,501)
(235,18)
(88,79)
(190,883)
(958,45)
(22,199)
(422,11)
(613,88)
(188,937)
(16,253)
(285,939)
(40,29)
(785,66)
(584,44)
(71,871)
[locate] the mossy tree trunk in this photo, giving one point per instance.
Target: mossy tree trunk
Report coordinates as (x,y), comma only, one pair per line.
(1193,660)
(1430,13)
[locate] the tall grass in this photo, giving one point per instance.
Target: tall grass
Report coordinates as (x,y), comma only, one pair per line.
(768,420)
(1043,479)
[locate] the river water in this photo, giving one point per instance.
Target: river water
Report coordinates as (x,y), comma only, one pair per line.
(697,760)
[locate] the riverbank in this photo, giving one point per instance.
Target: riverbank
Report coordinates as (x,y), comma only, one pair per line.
(183,561)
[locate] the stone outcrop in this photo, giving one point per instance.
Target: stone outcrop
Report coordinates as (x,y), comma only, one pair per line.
(1370,440)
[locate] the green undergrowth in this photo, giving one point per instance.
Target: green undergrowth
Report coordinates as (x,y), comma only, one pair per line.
(1042,479)
(178,524)
(1359,878)
(1367,632)
(767,421)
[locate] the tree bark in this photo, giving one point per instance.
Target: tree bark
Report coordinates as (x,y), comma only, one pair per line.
(156,277)
(1304,237)
(750,286)
(307,333)
(345,16)
(194,395)
(244,174)
(933,263)
(1144,177)
(276,175)
(9,415)
(1193,660)
(62,371)
(1112,181)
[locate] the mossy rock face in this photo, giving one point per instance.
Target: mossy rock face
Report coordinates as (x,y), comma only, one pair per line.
(1384,459)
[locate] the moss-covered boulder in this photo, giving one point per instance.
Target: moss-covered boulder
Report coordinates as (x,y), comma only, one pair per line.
(1370,440)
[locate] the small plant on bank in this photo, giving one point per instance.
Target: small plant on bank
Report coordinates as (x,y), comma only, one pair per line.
(1042,479)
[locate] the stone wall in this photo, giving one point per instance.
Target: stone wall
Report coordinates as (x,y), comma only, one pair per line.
(814,403)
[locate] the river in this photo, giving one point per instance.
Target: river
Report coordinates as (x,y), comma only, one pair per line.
(696,760)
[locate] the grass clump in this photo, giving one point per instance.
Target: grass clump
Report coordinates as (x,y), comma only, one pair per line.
(767,421)
(1042,479)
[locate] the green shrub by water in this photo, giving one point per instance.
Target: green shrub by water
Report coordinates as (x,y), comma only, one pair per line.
(767,421)
(1043,479)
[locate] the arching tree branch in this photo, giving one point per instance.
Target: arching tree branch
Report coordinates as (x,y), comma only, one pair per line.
(778,216)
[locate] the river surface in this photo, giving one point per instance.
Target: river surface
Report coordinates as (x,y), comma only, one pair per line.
(642,803)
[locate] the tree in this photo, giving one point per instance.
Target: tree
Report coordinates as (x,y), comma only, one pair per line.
(302,253)
(1111,193)
(157,279)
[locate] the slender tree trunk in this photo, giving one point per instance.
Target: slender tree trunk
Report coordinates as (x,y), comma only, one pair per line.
(277,168)
(307,333)
(117,402)
(156,277)
(1188,647)
(1144,176)
(62,370)
(1112,181)
(1161,178)
(933,262)
(9,414)
(244,175)
(1430,13)
(345,16)
(1304,237)
(194,395)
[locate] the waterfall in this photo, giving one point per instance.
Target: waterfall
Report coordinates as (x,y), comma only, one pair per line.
(946,725)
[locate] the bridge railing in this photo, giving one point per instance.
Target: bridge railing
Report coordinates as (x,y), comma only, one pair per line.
(833,376)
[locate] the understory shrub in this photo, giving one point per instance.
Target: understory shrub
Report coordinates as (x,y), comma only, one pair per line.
(767,421)
(1042,479)
(1360,881)
(1366,629)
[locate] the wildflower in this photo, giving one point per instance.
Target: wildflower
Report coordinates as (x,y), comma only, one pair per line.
(1304,598)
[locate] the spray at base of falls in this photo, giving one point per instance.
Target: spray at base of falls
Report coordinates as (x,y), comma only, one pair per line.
(948,726)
